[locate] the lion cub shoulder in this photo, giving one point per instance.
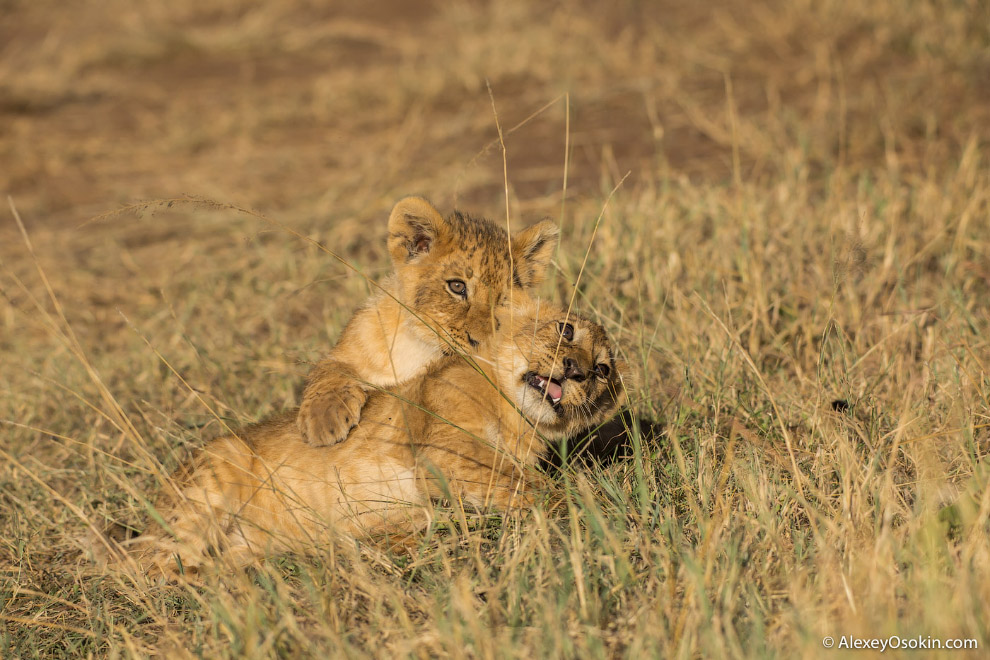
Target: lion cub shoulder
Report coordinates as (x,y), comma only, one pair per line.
(450,273)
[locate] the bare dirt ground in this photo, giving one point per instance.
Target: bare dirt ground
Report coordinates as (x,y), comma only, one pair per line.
(316,112)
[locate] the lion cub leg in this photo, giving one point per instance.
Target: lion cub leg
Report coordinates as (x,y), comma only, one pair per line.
(504,492)
(192,518)
(180,548)
(331,404)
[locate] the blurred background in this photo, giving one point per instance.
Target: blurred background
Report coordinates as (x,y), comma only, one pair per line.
(324,111)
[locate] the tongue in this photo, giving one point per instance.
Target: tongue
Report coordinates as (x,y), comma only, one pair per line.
(554,390)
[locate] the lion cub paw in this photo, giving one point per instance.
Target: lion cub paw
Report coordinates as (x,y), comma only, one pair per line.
(327,417)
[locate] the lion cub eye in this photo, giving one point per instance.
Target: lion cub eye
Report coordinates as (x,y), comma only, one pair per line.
(457,287)
(566,331)
(602,370)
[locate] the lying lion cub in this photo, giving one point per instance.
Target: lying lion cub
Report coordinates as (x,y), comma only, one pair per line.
(456,433)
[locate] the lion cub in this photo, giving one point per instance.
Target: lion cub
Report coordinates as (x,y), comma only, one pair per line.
(470,433)
(449,275)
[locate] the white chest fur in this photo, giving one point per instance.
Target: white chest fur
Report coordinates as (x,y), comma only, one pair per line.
(409,357)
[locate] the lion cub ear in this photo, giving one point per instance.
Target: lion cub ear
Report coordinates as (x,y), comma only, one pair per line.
(413,228)
(531,252)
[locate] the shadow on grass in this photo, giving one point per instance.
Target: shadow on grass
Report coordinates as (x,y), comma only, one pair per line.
(604,445)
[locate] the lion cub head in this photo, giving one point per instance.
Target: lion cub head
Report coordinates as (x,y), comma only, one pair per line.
(559,369)
(453,272)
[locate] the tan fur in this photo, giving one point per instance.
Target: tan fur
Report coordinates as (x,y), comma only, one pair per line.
(416,319)
(449,433)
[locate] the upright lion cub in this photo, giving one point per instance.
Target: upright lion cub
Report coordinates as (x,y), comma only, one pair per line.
(450,273)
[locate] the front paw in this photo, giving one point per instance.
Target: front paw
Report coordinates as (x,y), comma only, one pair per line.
(326,418)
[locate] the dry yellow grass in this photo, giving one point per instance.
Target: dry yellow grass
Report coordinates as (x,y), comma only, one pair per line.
(798,264)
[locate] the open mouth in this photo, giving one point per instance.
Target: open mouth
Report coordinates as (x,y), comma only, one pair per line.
(546,386)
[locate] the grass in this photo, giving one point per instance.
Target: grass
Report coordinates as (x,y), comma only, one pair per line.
(797,267)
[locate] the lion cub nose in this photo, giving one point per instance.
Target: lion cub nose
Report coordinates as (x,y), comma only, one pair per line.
(572,370)
(474,342)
